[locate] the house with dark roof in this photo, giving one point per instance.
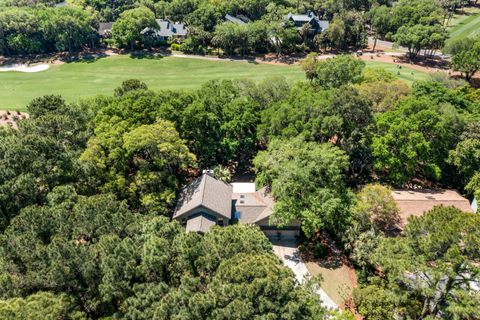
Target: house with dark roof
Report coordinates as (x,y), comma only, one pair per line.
(166,30)
(418,201)
(239,19)
(316,25)
(207,202)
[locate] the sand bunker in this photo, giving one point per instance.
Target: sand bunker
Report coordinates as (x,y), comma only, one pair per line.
(24,68)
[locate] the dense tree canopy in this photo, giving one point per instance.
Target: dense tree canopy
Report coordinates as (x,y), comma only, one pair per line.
(32,30)
(413,140)
(429,272)
(418,25)
(140,164)
(87,189)
(108,261)
(465,55)
(308,181)
(41,154)
(126,30)
(338,71)
(374,215)
(340,116)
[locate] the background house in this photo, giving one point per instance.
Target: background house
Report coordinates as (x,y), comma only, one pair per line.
(166,30)
(316,25)
(239,19)
(207,202)
(417,202)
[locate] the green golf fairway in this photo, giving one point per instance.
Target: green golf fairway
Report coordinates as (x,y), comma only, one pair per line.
(465,25)
(85,79)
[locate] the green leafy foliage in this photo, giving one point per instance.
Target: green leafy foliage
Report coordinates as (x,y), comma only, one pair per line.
(38,30)
(465,55)
(418,37)
(115,263)
(376,208)
(126,30)
(429,271)
(413,140)
(141,165)
(374,215)
(41,154)
(41,305)
(307,180)
(338,71)
(340,116)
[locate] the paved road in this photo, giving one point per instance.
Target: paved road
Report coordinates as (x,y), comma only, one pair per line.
(288,252)
(385,44)
(389,45)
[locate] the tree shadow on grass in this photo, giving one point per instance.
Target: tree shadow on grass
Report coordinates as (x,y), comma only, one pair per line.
(85,58)
(148,55)
(331,257)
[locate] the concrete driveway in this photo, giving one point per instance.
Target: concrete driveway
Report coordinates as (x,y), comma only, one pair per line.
(287,250)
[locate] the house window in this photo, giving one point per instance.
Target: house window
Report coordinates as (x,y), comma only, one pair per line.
(237,215)
(242,202)
(220,222)
(242,196)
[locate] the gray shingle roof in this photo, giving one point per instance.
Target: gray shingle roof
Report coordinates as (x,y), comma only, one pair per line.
(238,19)
(200,223)
(310,17)
(207,192)
(300,17)
(324,24)
(167,28)
(253,207)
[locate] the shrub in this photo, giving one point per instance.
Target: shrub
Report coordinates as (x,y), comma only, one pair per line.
(319,250)
(302,248)
(175,47)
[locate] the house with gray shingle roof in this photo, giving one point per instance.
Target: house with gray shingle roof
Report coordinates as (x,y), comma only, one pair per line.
(207,202)
(239,19)
(316,25)
(166,30)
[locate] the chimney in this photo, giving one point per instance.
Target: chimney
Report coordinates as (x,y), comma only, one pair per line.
(210,172)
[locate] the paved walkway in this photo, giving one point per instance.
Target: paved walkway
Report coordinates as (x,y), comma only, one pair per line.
(288,252)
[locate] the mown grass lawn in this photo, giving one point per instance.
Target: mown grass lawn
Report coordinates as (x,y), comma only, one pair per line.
(406,74)
(465,24)
(85,79)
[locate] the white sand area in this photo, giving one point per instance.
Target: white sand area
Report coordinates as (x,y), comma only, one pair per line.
(24,68)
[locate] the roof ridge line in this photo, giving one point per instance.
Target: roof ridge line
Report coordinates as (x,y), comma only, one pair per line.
(204,182)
